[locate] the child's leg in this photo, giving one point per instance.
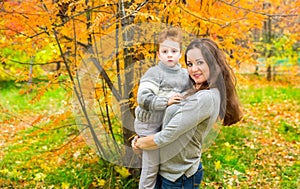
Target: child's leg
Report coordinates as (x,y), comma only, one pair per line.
(150,167)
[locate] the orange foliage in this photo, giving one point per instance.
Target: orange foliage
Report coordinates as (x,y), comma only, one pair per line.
(75,26)
(30,22)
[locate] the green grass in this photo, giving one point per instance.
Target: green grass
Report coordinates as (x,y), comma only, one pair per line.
(13,98)
(48,153)
(250,154)
(259,152)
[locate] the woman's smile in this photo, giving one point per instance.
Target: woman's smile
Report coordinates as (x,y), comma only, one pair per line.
(197,75)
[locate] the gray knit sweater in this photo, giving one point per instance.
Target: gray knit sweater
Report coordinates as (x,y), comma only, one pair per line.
(157,85)
(185,126)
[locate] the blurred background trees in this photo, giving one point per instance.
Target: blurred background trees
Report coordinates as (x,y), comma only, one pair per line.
(46,42)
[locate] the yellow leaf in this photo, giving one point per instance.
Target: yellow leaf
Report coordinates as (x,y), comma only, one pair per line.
(227,144)
(65,185)
(122,171)
(4,171)
(39,177)
(217,165)
(101,182)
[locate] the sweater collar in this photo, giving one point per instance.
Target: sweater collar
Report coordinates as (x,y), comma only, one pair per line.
(176,68)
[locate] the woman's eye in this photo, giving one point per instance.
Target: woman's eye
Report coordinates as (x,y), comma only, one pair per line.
(189,64)
(199,62)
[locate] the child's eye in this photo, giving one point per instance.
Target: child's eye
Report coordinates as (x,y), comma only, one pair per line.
(164,51)
(174,51)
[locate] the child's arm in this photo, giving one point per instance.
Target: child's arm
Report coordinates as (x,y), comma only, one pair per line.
(148,99)
(148,90)
(147,96)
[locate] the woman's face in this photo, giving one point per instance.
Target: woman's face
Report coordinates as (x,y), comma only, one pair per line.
(197,67)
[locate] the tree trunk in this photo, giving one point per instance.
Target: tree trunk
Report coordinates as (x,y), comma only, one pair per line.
(269,73)
(127,116)
(274,73)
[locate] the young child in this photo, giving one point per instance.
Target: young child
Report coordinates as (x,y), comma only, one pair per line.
(159,87)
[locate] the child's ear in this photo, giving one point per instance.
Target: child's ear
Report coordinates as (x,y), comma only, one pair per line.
(158,55)
(180,55)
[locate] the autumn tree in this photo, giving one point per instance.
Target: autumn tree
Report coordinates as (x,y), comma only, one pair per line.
(103,47)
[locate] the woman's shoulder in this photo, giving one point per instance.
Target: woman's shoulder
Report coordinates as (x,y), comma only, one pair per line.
(207,91)
(205,100)
(207,94)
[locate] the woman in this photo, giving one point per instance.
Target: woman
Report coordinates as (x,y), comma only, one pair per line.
(185,125)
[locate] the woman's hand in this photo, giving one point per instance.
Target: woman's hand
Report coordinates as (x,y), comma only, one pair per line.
(145,143)
(135,149)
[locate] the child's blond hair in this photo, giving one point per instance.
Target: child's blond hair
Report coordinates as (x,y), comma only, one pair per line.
(173,34)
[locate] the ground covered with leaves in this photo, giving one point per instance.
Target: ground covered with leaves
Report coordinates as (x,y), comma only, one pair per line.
(40,146)
(262,151)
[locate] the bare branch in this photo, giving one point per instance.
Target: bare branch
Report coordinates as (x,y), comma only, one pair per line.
(78,14)
(126,16)
(34,64)
(204,19)
(78,42)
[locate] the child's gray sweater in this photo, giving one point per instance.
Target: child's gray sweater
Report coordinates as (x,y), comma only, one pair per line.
(157,85)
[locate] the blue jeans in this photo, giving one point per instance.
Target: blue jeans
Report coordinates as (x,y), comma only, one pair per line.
(183,182)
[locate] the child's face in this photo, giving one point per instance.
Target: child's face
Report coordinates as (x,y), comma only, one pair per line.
(169,52)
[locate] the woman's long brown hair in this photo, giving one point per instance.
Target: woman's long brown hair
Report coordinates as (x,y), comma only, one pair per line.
(221,77)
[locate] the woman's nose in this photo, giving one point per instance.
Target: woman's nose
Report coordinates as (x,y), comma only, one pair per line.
(195,67)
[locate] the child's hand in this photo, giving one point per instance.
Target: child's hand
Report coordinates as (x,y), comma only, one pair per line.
(175,99)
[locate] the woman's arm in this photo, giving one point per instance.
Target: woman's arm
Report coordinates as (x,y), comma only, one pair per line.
(183,122)
(175,127)
(185,119)
(145,143)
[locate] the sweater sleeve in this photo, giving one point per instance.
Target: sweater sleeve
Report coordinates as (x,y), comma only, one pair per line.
(187,117)
(147,97)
